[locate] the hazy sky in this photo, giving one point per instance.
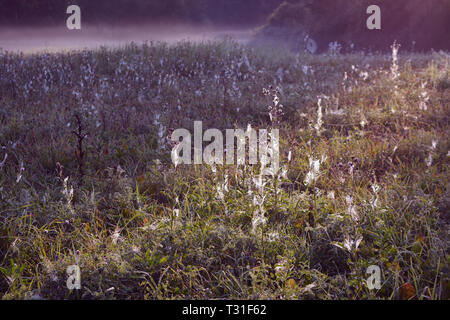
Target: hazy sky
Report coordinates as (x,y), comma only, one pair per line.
(30,25)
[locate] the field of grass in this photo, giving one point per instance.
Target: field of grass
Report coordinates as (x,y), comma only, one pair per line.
(86,176)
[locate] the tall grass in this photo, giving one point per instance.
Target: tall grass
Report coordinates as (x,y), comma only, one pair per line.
(363,180)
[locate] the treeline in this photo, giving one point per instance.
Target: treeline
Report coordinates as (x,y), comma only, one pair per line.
(220,12)
(416,24)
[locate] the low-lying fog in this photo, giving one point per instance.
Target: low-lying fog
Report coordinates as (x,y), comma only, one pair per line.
(29,40)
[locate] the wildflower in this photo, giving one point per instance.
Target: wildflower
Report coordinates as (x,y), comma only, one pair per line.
(423,106)
(434,144)
(115,236)
(314,171)
(14,245)
(136,249)
(351,167)
(374,200)
(305,69)
(119,170)
(258,221)
(258,200)
(319,123)
(281,267)
(276,109)
(273,236)
(4,160)
(349,244)
(394,68)
(283,174)
(221,188)
(351,210)
(19,175)
(309,289)
(429,160)
(424,98)
(176,159)
(364,75)
(68,193)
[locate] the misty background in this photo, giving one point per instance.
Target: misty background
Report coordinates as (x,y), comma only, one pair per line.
(416,24)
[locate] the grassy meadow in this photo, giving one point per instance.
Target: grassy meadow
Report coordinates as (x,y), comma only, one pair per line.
(86,176)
